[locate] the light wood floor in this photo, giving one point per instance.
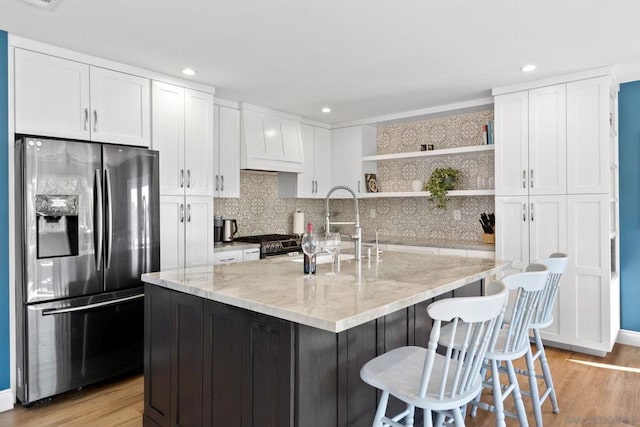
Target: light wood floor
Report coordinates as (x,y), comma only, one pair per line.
(591,390)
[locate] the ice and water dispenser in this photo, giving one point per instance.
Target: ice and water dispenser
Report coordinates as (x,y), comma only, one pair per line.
(57,225)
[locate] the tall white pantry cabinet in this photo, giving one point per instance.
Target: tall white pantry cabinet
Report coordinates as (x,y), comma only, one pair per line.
(557,191)
(183,133)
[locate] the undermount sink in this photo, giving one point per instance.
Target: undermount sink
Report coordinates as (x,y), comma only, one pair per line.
(324,258)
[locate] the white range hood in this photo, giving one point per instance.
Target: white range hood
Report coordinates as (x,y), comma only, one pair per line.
(270,140)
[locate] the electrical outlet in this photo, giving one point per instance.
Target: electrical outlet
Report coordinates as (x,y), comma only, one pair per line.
(457,215)
(372,213)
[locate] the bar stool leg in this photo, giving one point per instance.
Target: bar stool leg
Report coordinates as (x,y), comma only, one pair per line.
(517,397)
(546,372)
(382,409)
(533,387)
(497,395)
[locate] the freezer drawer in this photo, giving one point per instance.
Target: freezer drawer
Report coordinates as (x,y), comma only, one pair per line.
(79,341)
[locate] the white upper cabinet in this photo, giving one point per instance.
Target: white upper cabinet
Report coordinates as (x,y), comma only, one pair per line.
(588,123)
(322,157)
(52,96)
(315,179)
(199,143)
(547,140)
(270,142)
(531,142)
(168,136)
(120,108)
(226,166)
(349,145)
(67,99)
(512,142)
(183,134)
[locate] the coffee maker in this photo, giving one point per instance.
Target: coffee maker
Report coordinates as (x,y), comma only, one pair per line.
(218,226)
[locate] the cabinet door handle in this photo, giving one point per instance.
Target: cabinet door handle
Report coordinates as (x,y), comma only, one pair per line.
(313,186)
(316,187)
(86,119)
(222,183)
(531,212)
(524,212)
(95,120)
(189,212)
(181,212)
(531,176)
(181,178)
(524,178)
(188,178)
(217,182)
(358,186)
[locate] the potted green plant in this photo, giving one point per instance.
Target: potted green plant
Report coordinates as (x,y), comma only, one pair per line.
(441,181)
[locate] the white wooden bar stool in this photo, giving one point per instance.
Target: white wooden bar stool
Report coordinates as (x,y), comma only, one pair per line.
(424,379)
(512,343)
(543,317)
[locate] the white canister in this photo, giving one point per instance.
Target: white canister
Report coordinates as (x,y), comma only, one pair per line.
(417,185)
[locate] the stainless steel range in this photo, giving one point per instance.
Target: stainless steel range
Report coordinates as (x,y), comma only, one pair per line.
(274,244)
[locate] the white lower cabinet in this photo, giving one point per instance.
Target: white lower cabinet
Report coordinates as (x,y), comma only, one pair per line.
(586,314)
(228,257)
(593,317)
(186,231)
(235,255)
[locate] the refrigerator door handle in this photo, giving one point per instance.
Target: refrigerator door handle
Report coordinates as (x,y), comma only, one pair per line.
(109,206)
(145,243)
(51,311)
(98,225)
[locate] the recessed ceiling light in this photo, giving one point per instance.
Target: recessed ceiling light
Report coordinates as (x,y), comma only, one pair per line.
(528,68)
(326,110)
(189,72)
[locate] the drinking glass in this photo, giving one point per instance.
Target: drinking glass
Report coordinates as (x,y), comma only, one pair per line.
(332,244)
(310,246)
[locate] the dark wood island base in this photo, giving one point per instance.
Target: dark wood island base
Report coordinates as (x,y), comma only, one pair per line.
(211,364)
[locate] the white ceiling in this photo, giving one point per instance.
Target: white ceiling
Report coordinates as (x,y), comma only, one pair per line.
(363,58)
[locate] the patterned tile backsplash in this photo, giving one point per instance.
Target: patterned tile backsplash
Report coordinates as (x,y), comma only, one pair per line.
(259,210)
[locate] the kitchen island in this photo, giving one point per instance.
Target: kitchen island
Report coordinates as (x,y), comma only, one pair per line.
(260,344)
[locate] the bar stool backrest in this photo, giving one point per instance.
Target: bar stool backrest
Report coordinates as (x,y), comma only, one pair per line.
(557,264)
(529,287)
(475,321)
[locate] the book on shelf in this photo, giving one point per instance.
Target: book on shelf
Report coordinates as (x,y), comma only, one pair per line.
(490,131)
(485,134)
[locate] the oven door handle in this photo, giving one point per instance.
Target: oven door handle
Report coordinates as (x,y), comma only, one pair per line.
(51,311)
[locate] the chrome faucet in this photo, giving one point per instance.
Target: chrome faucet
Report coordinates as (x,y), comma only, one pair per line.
(357,236)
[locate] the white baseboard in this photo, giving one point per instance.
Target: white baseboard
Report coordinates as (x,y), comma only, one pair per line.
(629,338)
(6,400)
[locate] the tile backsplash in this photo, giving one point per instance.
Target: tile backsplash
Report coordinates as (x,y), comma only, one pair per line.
(259,210)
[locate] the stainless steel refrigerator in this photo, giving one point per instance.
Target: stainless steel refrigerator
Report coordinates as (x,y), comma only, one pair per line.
(88,227)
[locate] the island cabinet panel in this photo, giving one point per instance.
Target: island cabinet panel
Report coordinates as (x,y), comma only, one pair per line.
(222,394)
(157,356)
(172,358)
(186,360)
(267,372)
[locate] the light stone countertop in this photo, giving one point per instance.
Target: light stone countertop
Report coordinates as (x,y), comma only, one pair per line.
(361,292)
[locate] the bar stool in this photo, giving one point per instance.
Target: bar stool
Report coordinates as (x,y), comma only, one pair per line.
(512,343)
(424,379)
(543,317)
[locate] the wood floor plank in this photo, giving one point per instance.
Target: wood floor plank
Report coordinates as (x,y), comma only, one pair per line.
(591,390)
